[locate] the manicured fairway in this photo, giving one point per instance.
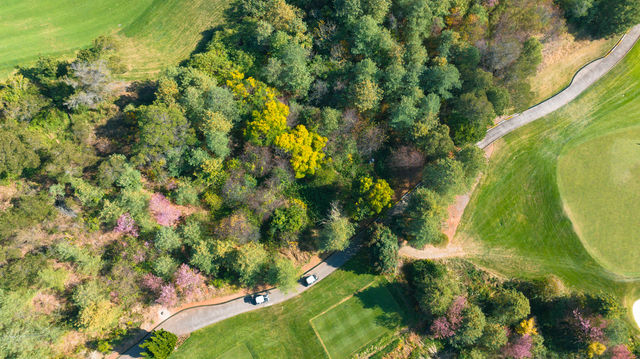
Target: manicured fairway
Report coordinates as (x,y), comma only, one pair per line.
(155,33)
(518,211)
(29,28)
(355,323)
(599,181)
(285,330)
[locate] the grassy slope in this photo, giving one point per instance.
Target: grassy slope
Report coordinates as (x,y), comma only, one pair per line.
(167,32)
(285,331)
(600,183)
(517,210)
(562,59)
(237,352)
(156,33)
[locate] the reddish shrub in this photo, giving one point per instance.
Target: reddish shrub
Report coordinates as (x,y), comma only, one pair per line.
(167,297)
(441,328)
(445,327)
(588,330)
(621,352)
(454,314)
(152,283)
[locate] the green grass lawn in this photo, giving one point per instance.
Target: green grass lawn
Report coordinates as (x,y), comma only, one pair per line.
(238,352)
(356,322)
(517,211)
(599,181)
(369,306)
(155,33)
(167,32)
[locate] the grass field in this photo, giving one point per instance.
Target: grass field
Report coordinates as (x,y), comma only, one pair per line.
(167,32)
(348,309)
(155,33)
(238,352)
(356,322)
(517,211)
(599,181)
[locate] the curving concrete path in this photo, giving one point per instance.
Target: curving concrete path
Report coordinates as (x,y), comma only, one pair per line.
(582,80)
(192,319)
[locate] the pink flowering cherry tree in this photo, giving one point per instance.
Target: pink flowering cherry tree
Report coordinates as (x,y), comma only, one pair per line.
(127,225)
(165,213)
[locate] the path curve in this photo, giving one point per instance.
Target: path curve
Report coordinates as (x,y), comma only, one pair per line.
(582,80)
(194,318)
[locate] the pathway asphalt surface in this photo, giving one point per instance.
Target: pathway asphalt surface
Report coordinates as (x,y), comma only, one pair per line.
(192,319)
(583,79)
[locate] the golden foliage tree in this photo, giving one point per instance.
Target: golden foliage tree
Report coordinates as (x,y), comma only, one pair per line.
(269,123)
(595,349)
(527,327)
(374,196)
(305,149)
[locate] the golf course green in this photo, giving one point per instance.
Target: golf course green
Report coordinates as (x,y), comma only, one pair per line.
(560,195)
(599,181)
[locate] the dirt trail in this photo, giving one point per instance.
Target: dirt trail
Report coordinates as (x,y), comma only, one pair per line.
(455,248)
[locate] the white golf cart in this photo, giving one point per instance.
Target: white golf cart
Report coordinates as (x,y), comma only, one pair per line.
(309,280)
(260,298)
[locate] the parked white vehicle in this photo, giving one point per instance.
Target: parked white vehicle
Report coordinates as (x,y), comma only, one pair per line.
(309,280)
(260,298)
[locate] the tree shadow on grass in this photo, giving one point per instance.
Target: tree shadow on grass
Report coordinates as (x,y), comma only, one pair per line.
(380,296)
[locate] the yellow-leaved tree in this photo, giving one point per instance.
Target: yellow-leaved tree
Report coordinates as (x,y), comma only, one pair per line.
(374,196)
(305,149)
(268,124)
(527,327)
(595,349)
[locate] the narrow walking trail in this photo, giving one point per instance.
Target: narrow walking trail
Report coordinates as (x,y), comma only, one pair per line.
(191,319)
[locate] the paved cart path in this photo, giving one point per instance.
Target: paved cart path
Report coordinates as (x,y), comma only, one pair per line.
(191,319)
(582,80)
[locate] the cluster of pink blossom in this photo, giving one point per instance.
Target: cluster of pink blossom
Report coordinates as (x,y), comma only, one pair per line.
(188,281)
(621,352)
(168,296)
(519,348)
(441,328)
(491,3)
(446,326)
(586,329)
(139,256)
(454,314)
(127,225)
(165,213)
(152,282)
